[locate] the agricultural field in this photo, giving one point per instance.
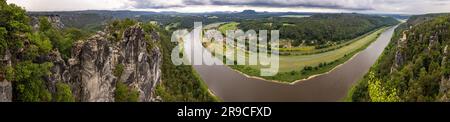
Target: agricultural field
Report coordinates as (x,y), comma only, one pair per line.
(228,26)
(295,67)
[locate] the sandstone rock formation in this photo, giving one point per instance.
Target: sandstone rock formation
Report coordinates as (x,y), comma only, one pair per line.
(90,69)
(5,91)
(93,62)
(55,20)
(5,85)
(445,80)
(399,55)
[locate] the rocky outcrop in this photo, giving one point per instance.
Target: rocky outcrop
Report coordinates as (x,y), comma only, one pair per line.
(445,80)
(94,60)
(59,71)
(55,20)
(445,55)
(5,91)
(399,55)
(432,43)
(142,66)
(5,85)
(91,68)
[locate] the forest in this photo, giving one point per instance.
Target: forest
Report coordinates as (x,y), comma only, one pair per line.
(26,47)
(414,67)
(319,29)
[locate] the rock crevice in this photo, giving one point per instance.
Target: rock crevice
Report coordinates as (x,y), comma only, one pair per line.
(93,63)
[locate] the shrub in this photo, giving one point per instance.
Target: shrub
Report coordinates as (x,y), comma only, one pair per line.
(63,93)
(125,94)
(118,70)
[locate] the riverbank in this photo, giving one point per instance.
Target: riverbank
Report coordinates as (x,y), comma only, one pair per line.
(295,69)
(232,86)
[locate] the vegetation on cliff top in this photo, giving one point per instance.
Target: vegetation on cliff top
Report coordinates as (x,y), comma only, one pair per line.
(26,47)
(415,69)
(179,83)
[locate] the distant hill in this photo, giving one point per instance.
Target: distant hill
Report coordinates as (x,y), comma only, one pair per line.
(249,12)
(320,29)
(94,19)
(415,20)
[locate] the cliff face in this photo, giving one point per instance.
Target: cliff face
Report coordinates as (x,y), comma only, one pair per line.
(444,85)
(93,63)
(5,91)
(5,85)
(90,70)
(399,54)
(142,66)
(55,20)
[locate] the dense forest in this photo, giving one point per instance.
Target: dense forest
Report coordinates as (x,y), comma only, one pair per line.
(414,66)
(26,47)
(93,19)
(23,49)
(180,83)
(320,29)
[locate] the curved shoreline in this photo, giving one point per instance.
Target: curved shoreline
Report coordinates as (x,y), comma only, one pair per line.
(232,86)
(315,75)
(296,81)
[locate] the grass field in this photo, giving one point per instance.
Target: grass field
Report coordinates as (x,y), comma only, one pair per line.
(229,26)
(292,67)
(296,16)
(308,50)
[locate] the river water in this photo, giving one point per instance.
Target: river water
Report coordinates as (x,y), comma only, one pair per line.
(232,86)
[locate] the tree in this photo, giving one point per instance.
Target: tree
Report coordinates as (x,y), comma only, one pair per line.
(28,81)
(13,24)
(3,44)
(42,42)
(44,24)
(125,94)
(378,93)
(63,93)
(118,70)
(64,40)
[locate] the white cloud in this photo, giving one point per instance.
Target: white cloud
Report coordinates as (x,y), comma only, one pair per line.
(62,5)
(385,6)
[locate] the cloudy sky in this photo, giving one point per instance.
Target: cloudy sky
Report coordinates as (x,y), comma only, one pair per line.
(362,6)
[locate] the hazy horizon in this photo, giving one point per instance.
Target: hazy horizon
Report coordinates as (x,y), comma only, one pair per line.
(202,6)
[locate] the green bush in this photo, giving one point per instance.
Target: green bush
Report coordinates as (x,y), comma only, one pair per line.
(44,24)
(117,27)
(63,93)
(14,22)
(118,70)
(42,42)
(30,86)
(125,94)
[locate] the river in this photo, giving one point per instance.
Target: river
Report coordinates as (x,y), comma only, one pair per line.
(232,86)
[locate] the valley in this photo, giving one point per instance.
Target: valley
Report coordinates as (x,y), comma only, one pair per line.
(233,86)
(126,55)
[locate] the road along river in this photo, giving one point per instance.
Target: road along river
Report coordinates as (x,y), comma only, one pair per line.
(232,86)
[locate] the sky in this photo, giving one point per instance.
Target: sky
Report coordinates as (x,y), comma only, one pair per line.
(195,6)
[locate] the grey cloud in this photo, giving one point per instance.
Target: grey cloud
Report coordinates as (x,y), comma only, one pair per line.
(154,4)
(331,4)
(402,6)
(275,3)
